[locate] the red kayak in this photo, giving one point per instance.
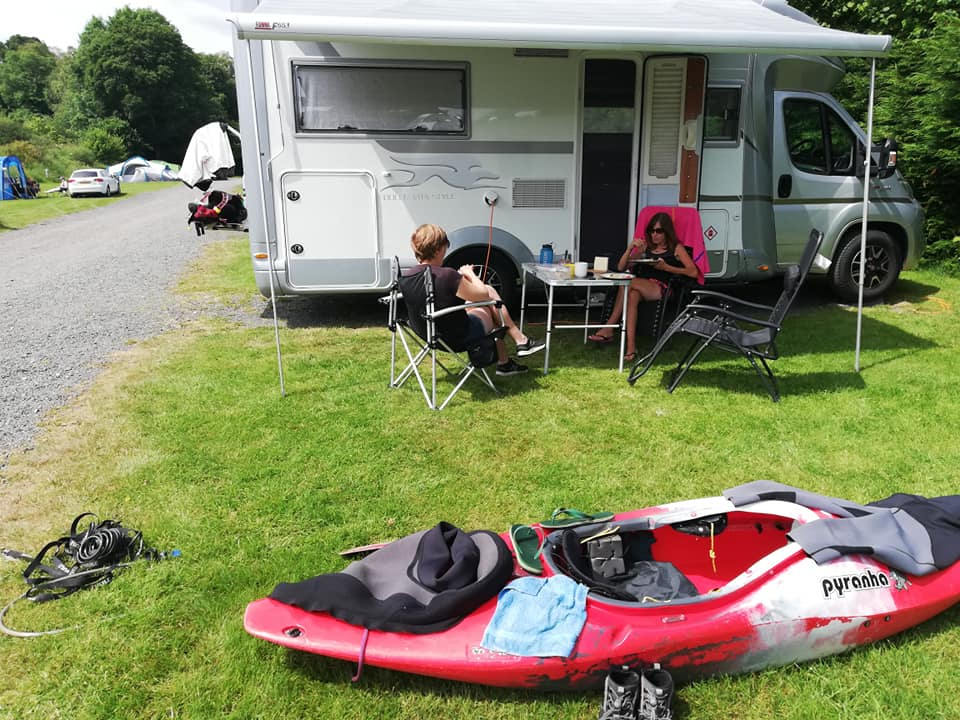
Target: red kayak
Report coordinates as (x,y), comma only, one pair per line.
(760,601)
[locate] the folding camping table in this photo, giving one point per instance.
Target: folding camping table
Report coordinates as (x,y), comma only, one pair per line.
(556,276)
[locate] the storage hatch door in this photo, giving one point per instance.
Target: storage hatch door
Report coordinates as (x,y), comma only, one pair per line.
(330,228)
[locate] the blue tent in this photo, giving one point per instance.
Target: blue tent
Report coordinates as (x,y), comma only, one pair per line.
(13,179)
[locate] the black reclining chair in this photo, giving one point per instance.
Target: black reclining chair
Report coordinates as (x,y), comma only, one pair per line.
(734,325)
(418,332)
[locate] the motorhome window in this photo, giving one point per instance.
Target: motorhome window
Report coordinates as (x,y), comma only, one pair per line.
(381,99)
(818,139)
(722,115)
(842,145)
(805,135)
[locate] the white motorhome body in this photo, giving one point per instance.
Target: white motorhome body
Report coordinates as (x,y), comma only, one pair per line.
(514,125)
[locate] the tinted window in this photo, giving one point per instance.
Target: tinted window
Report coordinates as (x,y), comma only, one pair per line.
(85,173)
(804,127)
(722,117)
(842,144)
(819,141)
(381,99)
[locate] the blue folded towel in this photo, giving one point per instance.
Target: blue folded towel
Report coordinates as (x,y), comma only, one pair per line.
(538,617)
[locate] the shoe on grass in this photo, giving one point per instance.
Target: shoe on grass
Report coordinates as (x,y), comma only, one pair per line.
(621,691)
(656,694)
(511,367)
(530,347)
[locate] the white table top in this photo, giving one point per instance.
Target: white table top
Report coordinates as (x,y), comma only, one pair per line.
(557,276)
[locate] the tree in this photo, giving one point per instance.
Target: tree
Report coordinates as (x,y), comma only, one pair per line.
(24,75)
(136,67)
(216,71)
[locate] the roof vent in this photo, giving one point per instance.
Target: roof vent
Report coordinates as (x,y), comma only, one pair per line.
(539,193)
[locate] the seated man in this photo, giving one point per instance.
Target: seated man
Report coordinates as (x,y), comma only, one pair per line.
(452,288)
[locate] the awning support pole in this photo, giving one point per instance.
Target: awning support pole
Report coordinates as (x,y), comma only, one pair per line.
(866,207)
(259,154)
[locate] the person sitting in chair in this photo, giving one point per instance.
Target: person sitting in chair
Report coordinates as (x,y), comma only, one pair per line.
(659,242)
(452,288)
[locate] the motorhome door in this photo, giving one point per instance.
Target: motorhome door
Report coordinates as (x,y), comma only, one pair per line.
(672,140)
(330,229)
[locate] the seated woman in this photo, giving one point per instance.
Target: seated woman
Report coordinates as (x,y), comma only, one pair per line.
(659,242)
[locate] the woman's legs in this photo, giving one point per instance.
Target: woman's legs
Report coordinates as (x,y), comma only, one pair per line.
(640,289)
(614,316)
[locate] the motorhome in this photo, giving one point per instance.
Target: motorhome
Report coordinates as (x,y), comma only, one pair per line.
(515,125)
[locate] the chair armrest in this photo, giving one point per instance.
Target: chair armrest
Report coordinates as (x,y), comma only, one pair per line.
(463,308)
(714,310)
(730,299)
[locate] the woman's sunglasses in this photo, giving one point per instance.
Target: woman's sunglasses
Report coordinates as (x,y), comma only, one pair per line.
(656,231)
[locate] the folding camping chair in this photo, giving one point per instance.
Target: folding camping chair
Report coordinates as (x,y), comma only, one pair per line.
(419,335)
(722,321)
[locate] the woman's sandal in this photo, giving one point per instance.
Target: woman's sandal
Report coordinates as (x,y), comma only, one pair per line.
(630,357)
(600,339)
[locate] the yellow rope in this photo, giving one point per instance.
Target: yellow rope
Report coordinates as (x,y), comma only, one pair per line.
(713,553)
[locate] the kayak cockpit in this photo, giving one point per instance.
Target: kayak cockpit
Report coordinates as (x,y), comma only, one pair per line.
(669,558)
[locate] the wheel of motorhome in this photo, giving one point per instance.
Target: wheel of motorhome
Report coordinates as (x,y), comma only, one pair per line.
(501,275)
(882,267)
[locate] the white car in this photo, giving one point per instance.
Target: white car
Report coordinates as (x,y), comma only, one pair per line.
(92,181)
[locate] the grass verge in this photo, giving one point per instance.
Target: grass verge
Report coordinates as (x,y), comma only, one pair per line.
(16,214)
(186,438)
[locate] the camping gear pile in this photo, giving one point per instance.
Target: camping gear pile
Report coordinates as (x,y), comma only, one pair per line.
(217,210)
(761,576)
(83,558)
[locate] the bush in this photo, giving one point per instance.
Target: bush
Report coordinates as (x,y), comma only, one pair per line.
(943,254)
(12,128)
(28,153)
(106,140)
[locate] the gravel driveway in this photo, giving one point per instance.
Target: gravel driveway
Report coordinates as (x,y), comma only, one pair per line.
(77,288)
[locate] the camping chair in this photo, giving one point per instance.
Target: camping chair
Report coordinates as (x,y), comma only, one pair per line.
(722,321)
(419,336)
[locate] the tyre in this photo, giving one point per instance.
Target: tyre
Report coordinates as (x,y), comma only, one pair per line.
(501,273)
(107,192)
(883,264)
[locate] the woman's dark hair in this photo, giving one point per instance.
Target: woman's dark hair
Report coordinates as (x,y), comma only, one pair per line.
(670,233)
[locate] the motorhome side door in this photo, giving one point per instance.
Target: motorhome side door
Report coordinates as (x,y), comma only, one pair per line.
(672,138)
(330,229)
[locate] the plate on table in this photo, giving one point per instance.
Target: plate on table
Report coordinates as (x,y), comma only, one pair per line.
(616,276)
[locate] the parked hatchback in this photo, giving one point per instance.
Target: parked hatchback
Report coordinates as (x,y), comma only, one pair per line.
(91,181)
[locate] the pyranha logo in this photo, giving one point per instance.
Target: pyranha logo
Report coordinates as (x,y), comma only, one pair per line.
(261,25)
(867,580)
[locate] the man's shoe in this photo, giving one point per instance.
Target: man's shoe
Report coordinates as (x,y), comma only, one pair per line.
(530,347)
(511,367)
(656,694)
(621,690)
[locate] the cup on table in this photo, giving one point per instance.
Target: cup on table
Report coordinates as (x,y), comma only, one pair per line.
(580,269)
(600,263)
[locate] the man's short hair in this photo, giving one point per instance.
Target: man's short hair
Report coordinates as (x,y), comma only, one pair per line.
(428,240)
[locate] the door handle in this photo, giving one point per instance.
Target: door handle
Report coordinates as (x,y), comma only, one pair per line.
(784,186)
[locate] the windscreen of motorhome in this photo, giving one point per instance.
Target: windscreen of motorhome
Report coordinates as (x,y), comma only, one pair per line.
(381,99)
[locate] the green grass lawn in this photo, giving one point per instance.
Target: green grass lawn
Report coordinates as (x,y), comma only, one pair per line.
(186,438)
(16,214)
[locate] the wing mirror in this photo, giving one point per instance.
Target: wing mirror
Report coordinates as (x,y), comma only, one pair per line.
(886,159)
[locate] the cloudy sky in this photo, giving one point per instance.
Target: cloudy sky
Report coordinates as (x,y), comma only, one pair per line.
(59,22)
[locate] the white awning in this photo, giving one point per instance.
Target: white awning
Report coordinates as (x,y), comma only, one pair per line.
(704,26)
